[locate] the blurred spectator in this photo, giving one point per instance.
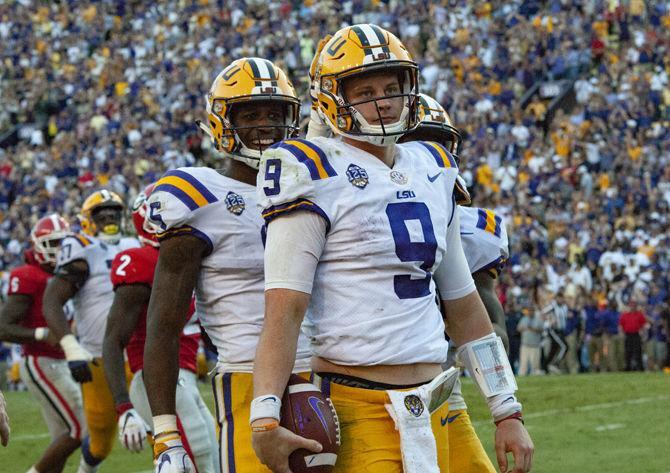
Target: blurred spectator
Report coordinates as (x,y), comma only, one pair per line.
(574,334)
(531,327)
(594,330)
(612,338)
(632,323)
(656,340)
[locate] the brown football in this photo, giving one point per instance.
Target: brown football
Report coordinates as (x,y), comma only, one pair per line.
(308,413)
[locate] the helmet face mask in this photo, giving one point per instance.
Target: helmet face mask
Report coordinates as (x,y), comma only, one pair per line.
(365,51)
(107,219)
(102,216)
(258,124)
(250,82)
(398,98)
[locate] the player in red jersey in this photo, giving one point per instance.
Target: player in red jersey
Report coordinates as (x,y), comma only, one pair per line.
(44,369)
(132,275)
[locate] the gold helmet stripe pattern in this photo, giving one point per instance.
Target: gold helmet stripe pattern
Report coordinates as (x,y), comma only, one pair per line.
(372,39)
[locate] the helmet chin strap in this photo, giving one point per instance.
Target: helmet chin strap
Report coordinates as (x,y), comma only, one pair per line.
(250,159)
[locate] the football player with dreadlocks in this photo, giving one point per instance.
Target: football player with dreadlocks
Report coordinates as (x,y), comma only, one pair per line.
(211,240)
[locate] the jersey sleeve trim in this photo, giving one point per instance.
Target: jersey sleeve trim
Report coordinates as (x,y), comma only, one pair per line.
(275,211)
(187,230)
(190,191)
(83,241)
(311,156)
(489,222)
(494,267)
(443,158)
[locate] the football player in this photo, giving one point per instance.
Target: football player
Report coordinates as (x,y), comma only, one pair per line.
(211,240)
(485,245)
(337,207)
(132,276)
(82,274)
(43,369)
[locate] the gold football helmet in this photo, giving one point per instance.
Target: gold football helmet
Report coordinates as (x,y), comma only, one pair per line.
(244,81)
(109,231)
(435,125)
(362,49)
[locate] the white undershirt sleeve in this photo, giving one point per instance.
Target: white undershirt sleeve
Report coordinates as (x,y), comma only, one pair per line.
(452,277)
(293,246)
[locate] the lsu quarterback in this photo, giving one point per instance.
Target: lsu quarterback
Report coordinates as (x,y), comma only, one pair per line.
(43,369)
(82,274)
(485,245)
(132,276)
(211,240)
(361,235)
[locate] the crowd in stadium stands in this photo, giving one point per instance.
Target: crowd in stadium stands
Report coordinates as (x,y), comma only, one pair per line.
(106,94)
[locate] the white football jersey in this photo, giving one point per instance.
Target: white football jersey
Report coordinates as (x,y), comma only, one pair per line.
(485,245)
(484,239)
(94,299)
(224,214)
(373,297)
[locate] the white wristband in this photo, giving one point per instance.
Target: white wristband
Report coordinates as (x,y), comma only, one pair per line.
(70,345)
(41,333)
(268,406)
(503,405)
(487,363)
(164,423)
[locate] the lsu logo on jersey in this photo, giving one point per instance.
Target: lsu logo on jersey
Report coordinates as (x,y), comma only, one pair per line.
(357,176)
(235,203)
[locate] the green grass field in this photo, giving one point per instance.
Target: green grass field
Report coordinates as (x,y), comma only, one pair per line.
(614,423)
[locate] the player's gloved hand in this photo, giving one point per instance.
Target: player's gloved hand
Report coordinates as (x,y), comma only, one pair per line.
(77,358)
(132,428)
(170,455)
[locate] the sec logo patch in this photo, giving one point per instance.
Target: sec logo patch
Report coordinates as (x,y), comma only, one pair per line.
(398,178)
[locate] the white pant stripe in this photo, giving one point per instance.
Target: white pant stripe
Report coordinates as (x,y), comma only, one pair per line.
(56,398)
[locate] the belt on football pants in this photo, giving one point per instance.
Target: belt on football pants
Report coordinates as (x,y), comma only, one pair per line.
(362,383)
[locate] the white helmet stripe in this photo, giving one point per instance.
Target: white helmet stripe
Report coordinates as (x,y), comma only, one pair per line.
(55,222)
(264,71)
(372,38)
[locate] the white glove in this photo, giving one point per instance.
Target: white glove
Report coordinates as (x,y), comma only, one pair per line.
(73,350)
(77,358)
(132,429)
(170,455)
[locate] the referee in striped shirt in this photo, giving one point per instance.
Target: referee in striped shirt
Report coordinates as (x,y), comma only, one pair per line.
(556,315)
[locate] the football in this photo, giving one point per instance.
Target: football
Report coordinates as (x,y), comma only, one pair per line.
(308,413)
